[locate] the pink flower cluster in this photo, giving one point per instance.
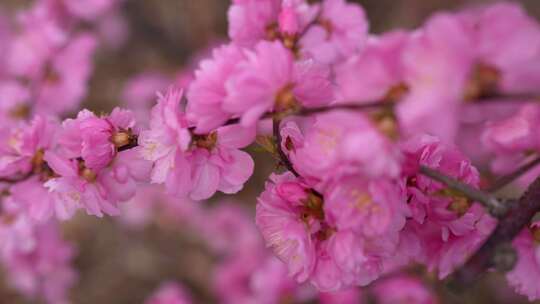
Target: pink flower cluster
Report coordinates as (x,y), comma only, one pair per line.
(355,117)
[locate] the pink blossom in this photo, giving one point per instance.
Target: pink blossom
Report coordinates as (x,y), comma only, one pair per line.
(65,82)
(450,227)
(16,104)
(229,230)
(372,208)
(170,293)
(151,204)
(93,138)
(288,20)
(207,93)
(43,271)
(195,166)
(403,289)
(168,133)
(270,284)
(97,192)
(437,61)
(512,47)
(89,9)
(230,279)
(523,278)
(340,32)
(344,142)
(91,168)
(39,38)
(374,72)
(279,218)
(249,19)
(346,296)
(22,146)
(139,93)
(269,79)
(512,139)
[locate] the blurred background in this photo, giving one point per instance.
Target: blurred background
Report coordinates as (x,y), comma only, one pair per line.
(118,264)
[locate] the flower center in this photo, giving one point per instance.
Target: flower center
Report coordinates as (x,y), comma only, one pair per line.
(460,204)
(483,82)
(313,207)
(272,31)
(327,25)
(20,111)
(86,173)
(535,231)
(396,93)
(285,100)
(386,122)
(207,142)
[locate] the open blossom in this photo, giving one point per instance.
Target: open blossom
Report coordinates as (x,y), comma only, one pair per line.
(33,46)
(512,140)
(139,93)
(89,9)
(324,241)
(370,208)
(344,142)
(98,192)
(65,80)
(376,73)
(22,145)
(340,32)
(170,293)
(43,271)
(90,169)
(15,105)
(168,133)
(437,60)
(509,50)
(229,230)
(524,276)
(196,166)
(270,79)
(94,138)
(403,289)
(253,20)
(449,226)
(249,19)
(346,296)
(279,218)
(207,93)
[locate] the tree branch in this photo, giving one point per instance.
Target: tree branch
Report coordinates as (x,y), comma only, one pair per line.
(507,179)
(494,206)
(277,136)
(519,216)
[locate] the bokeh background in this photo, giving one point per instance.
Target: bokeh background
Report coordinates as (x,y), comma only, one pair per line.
(118,265)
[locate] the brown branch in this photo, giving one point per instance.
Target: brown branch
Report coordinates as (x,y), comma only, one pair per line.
(507,179)
(283,157)
(494,206)
(5,180)
(518,217)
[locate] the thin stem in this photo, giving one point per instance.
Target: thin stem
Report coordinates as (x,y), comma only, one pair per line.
(519,216)
(277,136)
(507,179)
(504,97)
(16,179)
(494,206)
(345,106)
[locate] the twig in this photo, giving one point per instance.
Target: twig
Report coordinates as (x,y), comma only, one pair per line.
(494,206)
(507,179)
(518,217)
(16,179)
(277,136)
